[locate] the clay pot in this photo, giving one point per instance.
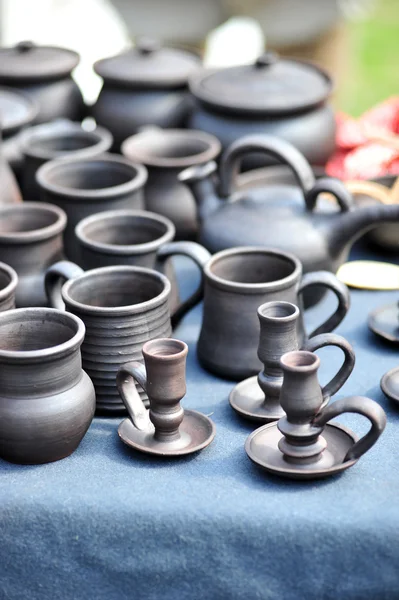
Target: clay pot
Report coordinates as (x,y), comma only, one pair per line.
(165,153)
(83,187)
(44,73)
(60,138)
(122,308)
(46,401)
(31,241)
(239,280)
(146,85)
(8,284)
(134,237)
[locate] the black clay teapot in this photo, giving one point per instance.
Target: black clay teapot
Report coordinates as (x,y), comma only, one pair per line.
(285,217)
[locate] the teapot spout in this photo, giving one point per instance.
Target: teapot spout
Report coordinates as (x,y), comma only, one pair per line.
(201,181)
(350,226)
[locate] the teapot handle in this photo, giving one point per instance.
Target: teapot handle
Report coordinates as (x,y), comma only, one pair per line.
(266,144)
(361,406)
(332,186)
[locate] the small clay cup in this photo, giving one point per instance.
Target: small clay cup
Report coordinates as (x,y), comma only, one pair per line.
(85,186)
(61,138)
(31,241)
(46,401)
(237,281)
(165,153)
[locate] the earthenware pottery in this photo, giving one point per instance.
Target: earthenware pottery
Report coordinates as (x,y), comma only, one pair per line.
(280,216)
(8,284)
(56,139)
(239,280)
(17,111)
(146,85)
(384,322)
(122,307)
(369,275)
(390,384)
(9,191)
(85,186)
(134,237)
(165,429)
(274,96)
(44,73)
(302,445)
(166,152)
(31,241)
(46,401)
(258,398)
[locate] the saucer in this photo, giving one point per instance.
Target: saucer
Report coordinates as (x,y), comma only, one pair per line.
(262,448)
(248,400)
(384,322)
(196,432)
(390,384)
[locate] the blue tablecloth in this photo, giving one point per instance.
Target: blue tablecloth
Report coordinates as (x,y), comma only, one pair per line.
(109,523)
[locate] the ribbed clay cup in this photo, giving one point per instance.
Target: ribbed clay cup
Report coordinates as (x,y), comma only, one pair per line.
(46,401)
(165,153)
(8,285)
(122,308)
(31,241)
(60,138)
(83,187)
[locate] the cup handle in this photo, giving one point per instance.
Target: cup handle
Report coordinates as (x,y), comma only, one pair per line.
(55,277)
(131,398)
(330,281)
(331,339)
(200,256)
(361,406)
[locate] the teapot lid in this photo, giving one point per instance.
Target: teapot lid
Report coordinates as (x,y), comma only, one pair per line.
(16,111)
(271,86)
(148,65)
(29,62)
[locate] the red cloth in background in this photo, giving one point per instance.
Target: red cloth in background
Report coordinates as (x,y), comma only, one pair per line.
(359,157)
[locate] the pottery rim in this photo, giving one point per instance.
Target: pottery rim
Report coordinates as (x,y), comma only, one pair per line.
(288,306)
(253,288)
(114,311)
(143,248)
(100,139)
(12,284)
(138,173)
(300,360)
(26,315)
(33,235)
(138,148)
(165,349)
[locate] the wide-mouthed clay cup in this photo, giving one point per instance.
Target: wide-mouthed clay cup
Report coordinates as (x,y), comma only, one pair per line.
(237,282)
(46,401)
(61,138)
(122,307)
(135,237)
(31,241)
(165,153)
(83,187)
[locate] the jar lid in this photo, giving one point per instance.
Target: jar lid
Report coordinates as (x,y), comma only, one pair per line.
(16,111)
(271,86)
(28,62)
(148,65)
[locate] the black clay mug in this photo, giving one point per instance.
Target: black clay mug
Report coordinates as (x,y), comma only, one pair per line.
(237,282)
(122,307)
(134,237)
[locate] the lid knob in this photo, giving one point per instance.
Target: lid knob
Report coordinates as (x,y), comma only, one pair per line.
(25,46)
(147,45)
(267,59)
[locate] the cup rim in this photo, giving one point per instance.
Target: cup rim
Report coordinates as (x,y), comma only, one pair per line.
(285,319)
(132,149)
(57,351)
(128,309)
(44,171)
(146,350)
(306,368)
(130,249)
(234,286)
(34,235)
(12,285)
(43,132)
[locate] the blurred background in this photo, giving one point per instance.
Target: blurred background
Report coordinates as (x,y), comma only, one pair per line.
(356,40)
